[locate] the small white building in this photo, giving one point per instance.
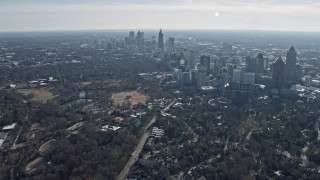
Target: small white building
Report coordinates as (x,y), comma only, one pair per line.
(9,127)
(108,127)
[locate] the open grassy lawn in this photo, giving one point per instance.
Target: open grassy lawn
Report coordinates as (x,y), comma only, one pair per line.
(133,97)
(41,95)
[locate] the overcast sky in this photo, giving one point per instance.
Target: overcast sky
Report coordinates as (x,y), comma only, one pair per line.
(25,15)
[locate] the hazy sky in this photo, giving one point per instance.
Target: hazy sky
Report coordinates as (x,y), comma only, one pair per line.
(295,15)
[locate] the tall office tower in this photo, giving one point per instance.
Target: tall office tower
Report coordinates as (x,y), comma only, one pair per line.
(299,73)
(202,77)
(139,38)
(192,59)
(278,71)
(236,60)
(185,78)
(229,71)
(131,36)
(261,63)
(205,62)
(291,57)
(223,80)
(290,67)
(171,44)
(236,75)
(250,64)
(217,65)
(193,76)
(211,67)
(249,78)
(227,48)
(160,40)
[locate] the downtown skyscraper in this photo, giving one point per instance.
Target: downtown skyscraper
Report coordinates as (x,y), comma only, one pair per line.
(171,44)
(160,40)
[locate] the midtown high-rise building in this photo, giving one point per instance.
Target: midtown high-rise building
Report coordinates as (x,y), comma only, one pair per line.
(261,63)
(236,75)
(193,76)
(171,44)
(131,37)
(140,39)
(277,69)
(202,77)
(192,59)
(217,66)
(250,64)
(249,78)
(287,72)
(160,40)
(290,68)
(205,62)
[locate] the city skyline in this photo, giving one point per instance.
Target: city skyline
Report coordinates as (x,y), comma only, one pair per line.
(29,15)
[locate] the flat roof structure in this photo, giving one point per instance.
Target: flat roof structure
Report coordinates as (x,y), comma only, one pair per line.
(9,127)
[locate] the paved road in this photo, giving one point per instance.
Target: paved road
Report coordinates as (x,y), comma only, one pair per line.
(17,137)
(135,155)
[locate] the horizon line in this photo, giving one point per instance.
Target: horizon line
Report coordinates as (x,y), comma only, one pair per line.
(154,29)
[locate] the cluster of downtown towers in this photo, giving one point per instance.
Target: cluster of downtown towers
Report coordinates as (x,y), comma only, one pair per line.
(282,72)
(139,40)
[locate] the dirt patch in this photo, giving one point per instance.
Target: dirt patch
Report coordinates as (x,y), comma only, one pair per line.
(35,126)
(34,164)
(47,147)
(42,95)
(133,97)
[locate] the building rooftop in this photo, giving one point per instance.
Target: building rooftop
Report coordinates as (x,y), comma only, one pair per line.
(9,127)
(206,88)
(108,127)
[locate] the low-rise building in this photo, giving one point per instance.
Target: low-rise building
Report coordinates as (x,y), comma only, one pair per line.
(9,127)
(156,132)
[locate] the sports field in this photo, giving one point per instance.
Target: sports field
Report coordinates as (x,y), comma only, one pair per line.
(133,97)
(41,95)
